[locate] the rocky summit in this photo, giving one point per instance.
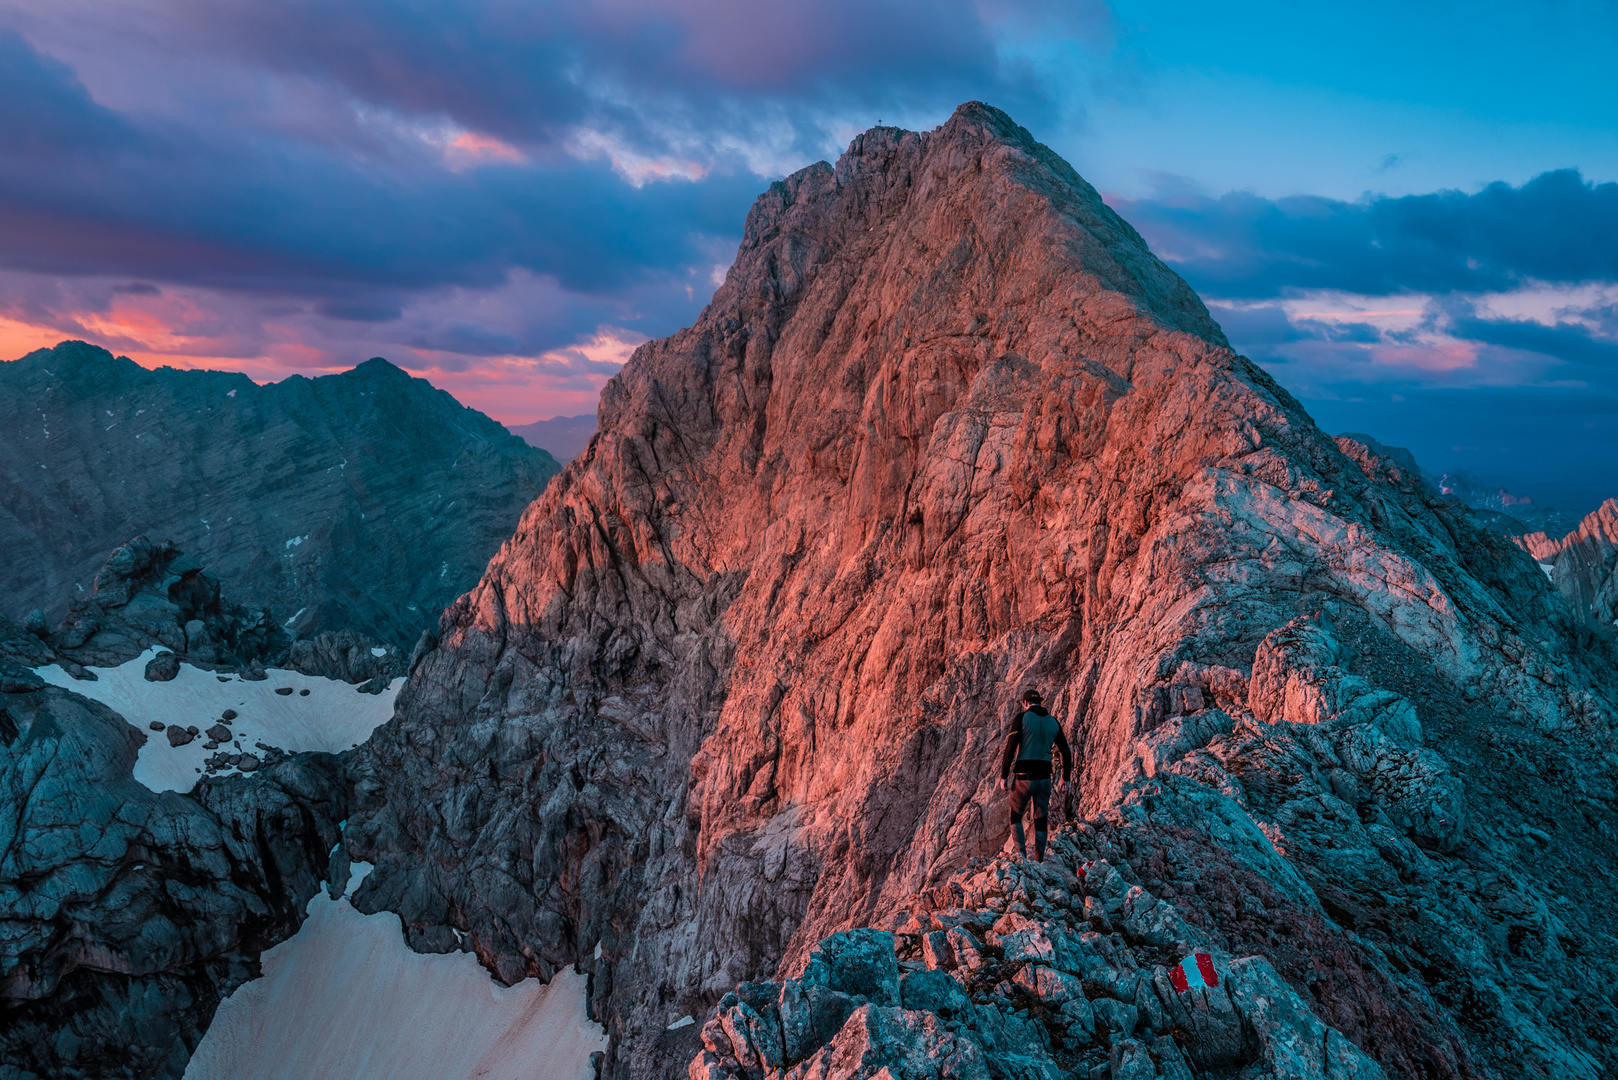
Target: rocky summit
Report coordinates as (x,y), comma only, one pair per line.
(949,429)
(364,501)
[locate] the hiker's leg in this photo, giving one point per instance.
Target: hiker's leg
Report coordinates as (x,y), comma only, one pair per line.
(1019,803)
(1042,809)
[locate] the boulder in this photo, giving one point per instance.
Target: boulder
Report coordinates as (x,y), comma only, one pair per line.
(163,667)
(1049,985)
(932,990)
(881,1042)
(859,963)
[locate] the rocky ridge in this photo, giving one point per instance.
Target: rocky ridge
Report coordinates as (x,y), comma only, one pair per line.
(126,915)
(1584,563)
(1061,968)
(150,595)
(948,428)
(362,501)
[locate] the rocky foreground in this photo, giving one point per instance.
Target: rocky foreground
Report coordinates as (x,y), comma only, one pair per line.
(949,428)
(1062,968)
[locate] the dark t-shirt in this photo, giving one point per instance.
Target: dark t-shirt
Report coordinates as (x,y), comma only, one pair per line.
(1034,732)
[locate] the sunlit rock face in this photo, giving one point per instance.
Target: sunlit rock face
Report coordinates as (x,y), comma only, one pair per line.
(948,429)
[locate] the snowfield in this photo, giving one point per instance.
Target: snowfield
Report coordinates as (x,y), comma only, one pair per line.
(332,717)
(346,999)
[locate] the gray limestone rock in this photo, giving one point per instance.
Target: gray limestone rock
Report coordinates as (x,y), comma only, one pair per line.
(932,990)
(859,963)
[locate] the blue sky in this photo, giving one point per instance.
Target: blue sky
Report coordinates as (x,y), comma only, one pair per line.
(1407,212)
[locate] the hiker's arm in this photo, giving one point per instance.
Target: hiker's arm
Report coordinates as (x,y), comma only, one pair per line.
(1065,750)
(1008,753)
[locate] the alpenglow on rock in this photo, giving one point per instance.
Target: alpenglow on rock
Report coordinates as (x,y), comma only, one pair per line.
(1584,564)
(947,429)
(362,501)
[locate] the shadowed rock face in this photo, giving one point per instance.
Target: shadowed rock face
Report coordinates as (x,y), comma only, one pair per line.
(154,595)
(949,428)
(363,501)
(127,915)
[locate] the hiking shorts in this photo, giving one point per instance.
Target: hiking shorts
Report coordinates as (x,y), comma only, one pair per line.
(1026,789)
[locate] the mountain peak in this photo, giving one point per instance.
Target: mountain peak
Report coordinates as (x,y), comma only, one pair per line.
(948,430)
(378,367)
(977,186)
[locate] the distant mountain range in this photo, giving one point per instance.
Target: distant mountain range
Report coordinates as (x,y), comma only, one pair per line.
(1495,508)
(362,501)
(563,437)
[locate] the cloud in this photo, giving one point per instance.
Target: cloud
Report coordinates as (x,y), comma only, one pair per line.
(1567,341)
(654,76)
(1557,227)
(85,191)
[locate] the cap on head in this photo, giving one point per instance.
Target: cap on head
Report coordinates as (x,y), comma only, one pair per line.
(1032,696)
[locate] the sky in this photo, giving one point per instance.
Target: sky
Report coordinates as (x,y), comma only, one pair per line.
(1407,212)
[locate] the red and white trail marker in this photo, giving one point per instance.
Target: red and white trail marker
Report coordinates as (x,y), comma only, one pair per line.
(1194,972)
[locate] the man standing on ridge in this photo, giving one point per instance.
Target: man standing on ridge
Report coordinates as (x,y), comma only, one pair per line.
(1027,753)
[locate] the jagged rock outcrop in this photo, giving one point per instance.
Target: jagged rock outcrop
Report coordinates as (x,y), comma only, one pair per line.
(1063,968)
(1584,564)
(126,915)
(364,501)
(150,595)
(738,680)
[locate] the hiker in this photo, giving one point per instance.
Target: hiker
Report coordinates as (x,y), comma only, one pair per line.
(1025,769)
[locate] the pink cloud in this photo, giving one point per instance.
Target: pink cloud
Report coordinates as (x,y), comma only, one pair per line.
(269,338)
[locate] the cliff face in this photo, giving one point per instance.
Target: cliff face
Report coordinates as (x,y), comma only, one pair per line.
(948,429)
(1584,563)
(364,501)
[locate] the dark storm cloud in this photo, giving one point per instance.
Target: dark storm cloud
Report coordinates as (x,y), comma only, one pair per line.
(362,186)
(1558,227)
(48,114)
(86,191)
(1570,342)
(525,71)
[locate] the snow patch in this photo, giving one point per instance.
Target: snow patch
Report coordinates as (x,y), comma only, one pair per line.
(379,652)
(296,540)
(345,999)
(231,394)
(333,717)
(1547,567)
(295,615)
